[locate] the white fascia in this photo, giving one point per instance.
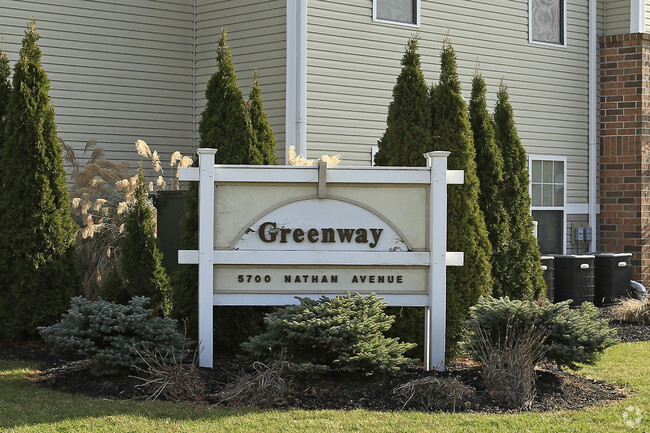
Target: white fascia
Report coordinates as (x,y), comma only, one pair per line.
(637,16)
(296,77)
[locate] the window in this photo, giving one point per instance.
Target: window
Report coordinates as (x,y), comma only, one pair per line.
(548,201)
(396,11)
(547,21)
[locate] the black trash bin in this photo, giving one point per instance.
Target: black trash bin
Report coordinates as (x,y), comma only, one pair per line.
(613,275)
(574,278)
(548,271)
(171,210)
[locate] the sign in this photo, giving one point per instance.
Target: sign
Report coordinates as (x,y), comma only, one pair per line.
(269,234)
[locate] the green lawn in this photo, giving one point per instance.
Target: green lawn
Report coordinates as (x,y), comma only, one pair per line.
(27,408)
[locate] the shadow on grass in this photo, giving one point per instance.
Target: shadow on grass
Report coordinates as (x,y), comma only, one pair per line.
(23,403)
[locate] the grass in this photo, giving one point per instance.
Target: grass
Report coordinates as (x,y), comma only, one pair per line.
(27,408)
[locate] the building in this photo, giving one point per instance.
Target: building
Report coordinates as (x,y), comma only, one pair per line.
(577,71)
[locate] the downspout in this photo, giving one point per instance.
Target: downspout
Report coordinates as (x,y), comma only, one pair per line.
(593,121)
(296,77)
(637,16)
(194,144)
(301,122)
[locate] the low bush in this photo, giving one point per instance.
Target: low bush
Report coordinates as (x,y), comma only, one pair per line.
(345,333)
(632,310)
(267,385)
(435,393)
(111,335)
(572,335)
(508,369)
(167,375)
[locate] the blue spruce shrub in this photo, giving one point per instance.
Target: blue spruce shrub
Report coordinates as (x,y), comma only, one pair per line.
(573,336)
(111,335)
(345,333)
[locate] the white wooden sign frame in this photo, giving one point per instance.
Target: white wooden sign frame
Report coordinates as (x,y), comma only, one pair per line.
(435,176)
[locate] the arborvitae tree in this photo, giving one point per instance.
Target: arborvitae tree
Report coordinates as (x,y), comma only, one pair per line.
(408,126)
(223,126)
(406,139)
(466,228)
(38,262)
(5,89)
(263,139)
(525,279)
(141,270)
(489,168)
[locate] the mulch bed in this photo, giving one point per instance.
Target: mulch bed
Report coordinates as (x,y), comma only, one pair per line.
(556,390)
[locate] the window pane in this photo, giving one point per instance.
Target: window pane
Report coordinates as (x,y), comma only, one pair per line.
(537,171)
(537,194)
(548,172)
(402,11)
(558,195)
(547,21)
(549,230)
(559,172)
(547,195)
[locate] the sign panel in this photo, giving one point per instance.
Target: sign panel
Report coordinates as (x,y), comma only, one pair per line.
(319,280)
(270,234)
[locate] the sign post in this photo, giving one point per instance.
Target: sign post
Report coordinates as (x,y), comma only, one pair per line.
(269,234)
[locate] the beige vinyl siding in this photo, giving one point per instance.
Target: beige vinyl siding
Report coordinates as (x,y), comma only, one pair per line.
(119,70)
(353,64)
(257,38)
(647,16)
(574,221)
(617,17)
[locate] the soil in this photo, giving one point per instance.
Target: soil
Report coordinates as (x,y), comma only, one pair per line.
(556,390)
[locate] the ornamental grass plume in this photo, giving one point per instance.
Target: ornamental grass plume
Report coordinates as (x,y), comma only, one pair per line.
(101,192)
(299,160)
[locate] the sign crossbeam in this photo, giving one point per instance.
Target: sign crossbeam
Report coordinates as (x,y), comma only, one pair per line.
(361,247)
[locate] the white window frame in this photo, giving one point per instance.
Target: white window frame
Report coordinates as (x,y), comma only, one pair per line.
(564,207)
(564,26)
(379,20)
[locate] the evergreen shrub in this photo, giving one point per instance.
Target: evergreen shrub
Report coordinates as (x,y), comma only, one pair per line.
(572,335)
(141,260)
(5,90)
(489,169)
(466,230)
(408,125)
(38,262)
(523,270)
(345,333)
(242,135)
(111,335)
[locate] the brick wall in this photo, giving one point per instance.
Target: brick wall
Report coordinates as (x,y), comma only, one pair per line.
(624,149)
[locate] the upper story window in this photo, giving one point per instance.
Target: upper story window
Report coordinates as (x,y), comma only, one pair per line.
(547,21)
(397,11)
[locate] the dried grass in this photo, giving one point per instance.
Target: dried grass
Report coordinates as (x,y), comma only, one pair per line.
(632,310)
(508,369)
(264,387)
(299,160)
(166,375)
(435,393)
(101,192)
